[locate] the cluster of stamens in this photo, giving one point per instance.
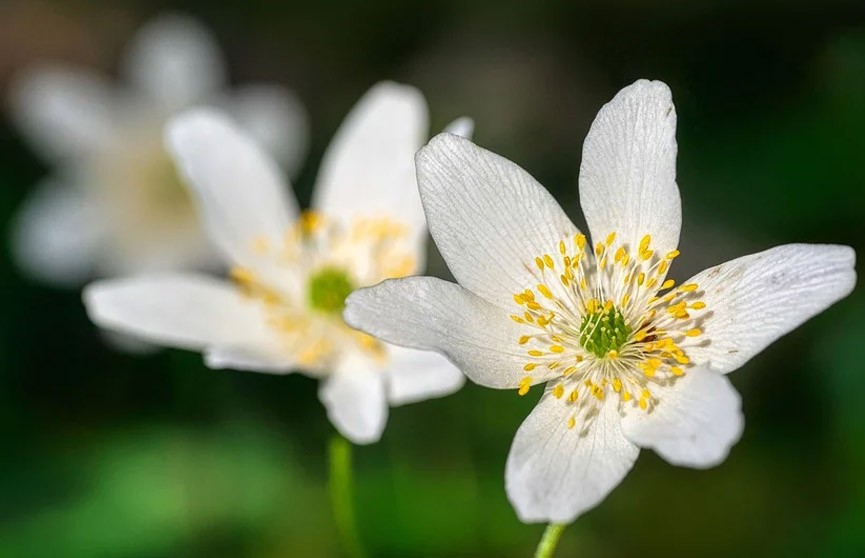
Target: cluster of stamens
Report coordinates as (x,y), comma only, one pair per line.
(606,320)
(305,278)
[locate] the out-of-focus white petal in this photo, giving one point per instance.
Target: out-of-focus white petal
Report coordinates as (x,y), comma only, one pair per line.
(175,60)
(240,192)
(462,126)
(696,422)
(64,112)
(628,171)
(185,311)
(55,236)
(258,359)
(354,396)
(275,117)
(415,375)
(488,217)
(554,473)
(753,300)
(368,169)
(431,314)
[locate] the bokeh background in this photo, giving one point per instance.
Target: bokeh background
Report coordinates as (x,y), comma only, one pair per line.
(107,454)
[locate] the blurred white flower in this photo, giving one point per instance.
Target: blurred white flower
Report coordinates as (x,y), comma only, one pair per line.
(291,271)
(629,359)
(114,204)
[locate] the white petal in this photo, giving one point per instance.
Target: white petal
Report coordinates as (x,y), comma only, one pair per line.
(175,60)
(431,314)
(238,187)
(275,117)
(554,473)
(628,171)
(488,217)
(354,396)
(415,375)
(463,127)
(368,169)
(753,300)
(64,112)
(258,359)
(185,311)
(696,422)
(55,236)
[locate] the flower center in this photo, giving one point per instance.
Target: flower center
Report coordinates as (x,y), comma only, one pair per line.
(606,321)
(328,289)
(307,274)
(604,331)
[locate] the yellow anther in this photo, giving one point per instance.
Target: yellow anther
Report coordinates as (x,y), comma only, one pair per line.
(544,290)
(549,261)
(517,319)
(528,317)
(693,332)
(558,391)
(682,359)
(610,238)
(528,295)
(540,263)
(699,305)
(651,282)
(524,339)
(572,422)
(608,306)
(676,371)
(535,353)
(662,267)
(643,403)
(626,298)
(682,315)
(641,277)
(557,349)
(572,397)
(673,254)
(603,263)
(518,298)
(565,281)
(620,253)
(569,370)
(533,306)
(646,254)
(668,284)
(556,338)
(584,283)
(562,247)
(652,300)
(529,366)
(613,354)
(640,335)
(243,275)
(689,288)
(644,244)
(525,384)
(617,385)
(626,396)
(580,241)
(599,249)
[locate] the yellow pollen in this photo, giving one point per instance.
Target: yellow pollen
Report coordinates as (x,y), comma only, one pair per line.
(580,241)
(544,290)
(668,284)
(646,254)
(673,254)
(641,277)
(644,244)
(525,384)
(662,267)
(549,261)
(613,354)
(620,253)
(693,332)
(535,353)
(572,422)
(562,247)
(689,288)
(572,397)
(557,348)
(599,249)
(558,391)
(699,305)
(529,366)
(540,263)
(518,298)
(676,371)
(524,339)
(610,238)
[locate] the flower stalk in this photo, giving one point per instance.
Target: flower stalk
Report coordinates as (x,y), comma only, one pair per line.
(549,540)
(341,487)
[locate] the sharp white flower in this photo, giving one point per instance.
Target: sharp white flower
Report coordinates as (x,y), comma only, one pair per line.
(115,204)
(629,359)
(291,272)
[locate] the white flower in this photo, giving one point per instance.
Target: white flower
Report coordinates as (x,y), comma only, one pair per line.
(115,204)
(291,271)
(629,360)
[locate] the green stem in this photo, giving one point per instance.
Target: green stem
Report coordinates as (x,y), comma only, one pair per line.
(341,488)
(549,540)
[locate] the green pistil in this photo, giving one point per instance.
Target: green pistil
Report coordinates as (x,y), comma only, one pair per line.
(328,289)
(604,331)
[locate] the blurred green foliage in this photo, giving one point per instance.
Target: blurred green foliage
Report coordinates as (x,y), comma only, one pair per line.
(107,454)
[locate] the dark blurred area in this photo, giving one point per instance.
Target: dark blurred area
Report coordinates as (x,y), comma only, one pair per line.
(117,455)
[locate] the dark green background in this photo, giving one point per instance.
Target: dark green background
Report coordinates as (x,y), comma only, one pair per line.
(105,454)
